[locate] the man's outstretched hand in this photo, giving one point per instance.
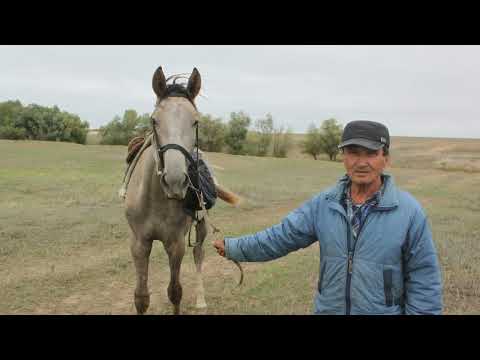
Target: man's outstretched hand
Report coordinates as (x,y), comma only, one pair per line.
(219,245)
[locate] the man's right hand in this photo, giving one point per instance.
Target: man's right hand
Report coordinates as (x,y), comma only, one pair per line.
(219,245)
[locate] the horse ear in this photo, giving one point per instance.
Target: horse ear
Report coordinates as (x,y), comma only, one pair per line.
(194,83)
(159,83)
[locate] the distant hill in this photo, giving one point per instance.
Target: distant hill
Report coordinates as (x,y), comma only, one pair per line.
(421,153)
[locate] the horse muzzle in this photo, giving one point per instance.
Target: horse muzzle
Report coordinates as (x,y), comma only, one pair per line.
(175,186)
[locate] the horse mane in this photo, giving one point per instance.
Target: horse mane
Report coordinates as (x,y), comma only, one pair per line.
(178,90)
(175,77)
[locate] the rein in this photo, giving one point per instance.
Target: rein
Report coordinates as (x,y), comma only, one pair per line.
(215,230)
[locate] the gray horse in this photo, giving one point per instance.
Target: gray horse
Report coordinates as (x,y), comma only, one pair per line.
(154,199)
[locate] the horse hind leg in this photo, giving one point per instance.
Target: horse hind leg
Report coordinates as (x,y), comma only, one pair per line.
(140,249)
(175,251)
(198,256)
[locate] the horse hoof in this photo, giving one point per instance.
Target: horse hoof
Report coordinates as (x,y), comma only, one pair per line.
(141,303)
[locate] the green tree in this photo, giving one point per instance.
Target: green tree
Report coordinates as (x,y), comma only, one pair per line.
(250,146)
(30,120)
(12,133)
(144,124)
(211,133)
(120,131)
(330,137)
(282,142)
(74,129)
(51,124)
(37,122)
(312,144)
(264,128)
(9,114)
(237,132)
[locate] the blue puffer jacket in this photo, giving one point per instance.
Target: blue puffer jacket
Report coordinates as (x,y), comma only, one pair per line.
(392,268)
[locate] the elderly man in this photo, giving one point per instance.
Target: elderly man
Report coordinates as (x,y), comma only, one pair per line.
(377,255)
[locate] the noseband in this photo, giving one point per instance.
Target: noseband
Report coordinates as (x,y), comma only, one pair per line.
(160,149)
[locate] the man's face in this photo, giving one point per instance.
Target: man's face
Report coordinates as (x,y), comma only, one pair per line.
(363,165)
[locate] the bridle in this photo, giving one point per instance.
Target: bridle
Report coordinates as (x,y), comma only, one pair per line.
(160,149)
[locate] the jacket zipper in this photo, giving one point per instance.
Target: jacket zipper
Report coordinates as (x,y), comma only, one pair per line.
(351,253)
(349,272)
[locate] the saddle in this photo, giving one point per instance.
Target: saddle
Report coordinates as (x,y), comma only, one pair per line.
(133,146)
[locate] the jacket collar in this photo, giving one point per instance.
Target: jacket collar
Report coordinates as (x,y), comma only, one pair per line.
(388,200)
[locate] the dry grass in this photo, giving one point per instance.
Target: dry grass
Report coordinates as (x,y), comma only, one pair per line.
(64,248)
(419,153)
(442,154)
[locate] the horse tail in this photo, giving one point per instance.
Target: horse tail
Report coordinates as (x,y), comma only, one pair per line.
(227,196)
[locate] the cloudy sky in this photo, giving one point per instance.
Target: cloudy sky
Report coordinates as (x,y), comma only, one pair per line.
(429,91)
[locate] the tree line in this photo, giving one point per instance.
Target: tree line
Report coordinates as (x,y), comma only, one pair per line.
(35,122)
(239,136)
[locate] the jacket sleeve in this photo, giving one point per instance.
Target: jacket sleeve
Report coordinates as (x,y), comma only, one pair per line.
(295,231)
(423,284)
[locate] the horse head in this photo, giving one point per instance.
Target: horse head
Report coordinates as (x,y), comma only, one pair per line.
(173,121)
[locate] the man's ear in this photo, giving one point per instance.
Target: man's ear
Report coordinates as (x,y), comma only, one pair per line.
(388,160)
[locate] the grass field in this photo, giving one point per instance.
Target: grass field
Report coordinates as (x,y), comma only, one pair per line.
(64,239)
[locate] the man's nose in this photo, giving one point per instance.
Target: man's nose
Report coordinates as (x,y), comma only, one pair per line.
(362,161)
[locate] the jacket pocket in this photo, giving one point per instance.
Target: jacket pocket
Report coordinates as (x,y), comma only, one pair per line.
(390,299)
(322,272)
(387,286)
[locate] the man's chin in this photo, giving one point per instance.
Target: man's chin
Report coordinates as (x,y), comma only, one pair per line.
(361,180)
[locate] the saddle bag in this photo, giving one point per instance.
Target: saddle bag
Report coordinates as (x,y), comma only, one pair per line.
(204,182)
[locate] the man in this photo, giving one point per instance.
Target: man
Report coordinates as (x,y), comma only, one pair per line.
(377,255)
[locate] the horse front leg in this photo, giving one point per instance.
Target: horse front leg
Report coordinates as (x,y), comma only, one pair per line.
(198,256)
(140,249)
(175,250)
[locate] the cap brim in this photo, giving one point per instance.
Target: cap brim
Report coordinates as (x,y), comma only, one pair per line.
(372,145)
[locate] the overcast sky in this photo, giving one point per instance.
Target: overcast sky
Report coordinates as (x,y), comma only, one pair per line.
(429,91)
